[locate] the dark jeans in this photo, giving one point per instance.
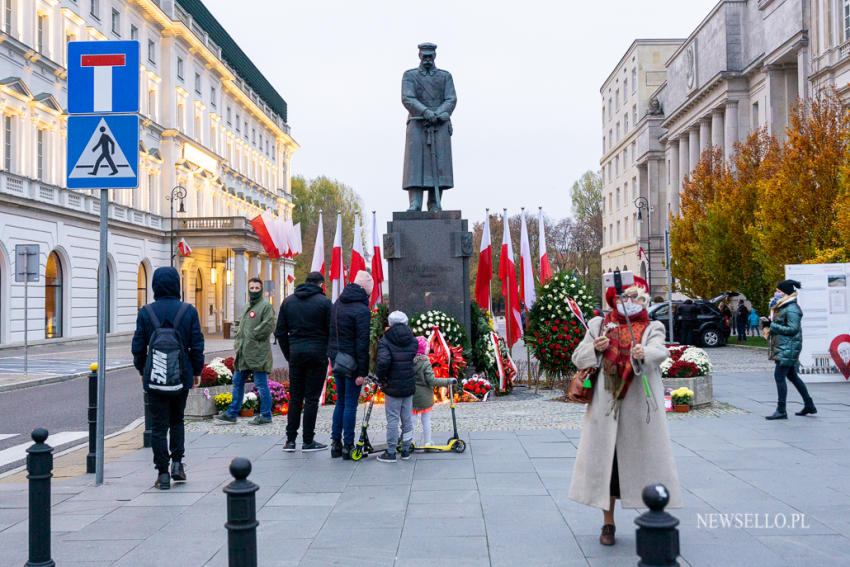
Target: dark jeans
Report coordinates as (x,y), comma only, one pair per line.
(742,331)
(780,374)
(167,413)
(345,411)
(261,387)
(687,337)
(307,373)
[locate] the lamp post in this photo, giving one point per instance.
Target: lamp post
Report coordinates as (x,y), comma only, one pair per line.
(643,203)
(178,192)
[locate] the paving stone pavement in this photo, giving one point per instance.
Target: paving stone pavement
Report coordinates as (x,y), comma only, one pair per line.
(502,502)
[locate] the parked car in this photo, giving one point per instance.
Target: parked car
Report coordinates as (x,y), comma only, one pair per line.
(712,329)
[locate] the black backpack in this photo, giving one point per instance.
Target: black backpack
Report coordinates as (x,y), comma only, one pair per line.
(166,355)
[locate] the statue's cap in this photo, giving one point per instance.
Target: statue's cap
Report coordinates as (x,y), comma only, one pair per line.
(427,46)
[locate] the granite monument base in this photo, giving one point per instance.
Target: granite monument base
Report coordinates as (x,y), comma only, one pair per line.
(427,256)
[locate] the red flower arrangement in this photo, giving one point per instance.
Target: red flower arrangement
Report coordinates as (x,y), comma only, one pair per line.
(229,362)
(208,377)
(477,385)
(330,391)
(683,369)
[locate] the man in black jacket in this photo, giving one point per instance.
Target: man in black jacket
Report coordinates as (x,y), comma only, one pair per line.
(167,410)
(350,320)
(302,331)
(687,313)
(396,353)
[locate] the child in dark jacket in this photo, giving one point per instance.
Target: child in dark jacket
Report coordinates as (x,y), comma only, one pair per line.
(396,351)
(423,399)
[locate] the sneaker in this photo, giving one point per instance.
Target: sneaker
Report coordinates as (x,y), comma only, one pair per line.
(260,420)
(163,481)
(314,446)
(178,473)
(406,453)
(289,446)
(387,457)
(336,448)
(346,452)
(223,418)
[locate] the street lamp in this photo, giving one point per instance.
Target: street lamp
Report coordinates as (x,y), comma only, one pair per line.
(643,203)
(178,192)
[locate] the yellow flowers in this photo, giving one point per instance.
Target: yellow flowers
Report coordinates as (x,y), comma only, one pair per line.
(682,396)
(222,401)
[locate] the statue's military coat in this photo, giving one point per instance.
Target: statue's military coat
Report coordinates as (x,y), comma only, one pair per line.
(421,90)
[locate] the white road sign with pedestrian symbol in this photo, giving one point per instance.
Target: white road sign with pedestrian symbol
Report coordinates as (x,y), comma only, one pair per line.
(103,151)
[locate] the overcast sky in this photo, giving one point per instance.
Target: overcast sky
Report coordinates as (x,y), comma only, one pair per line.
(527,74)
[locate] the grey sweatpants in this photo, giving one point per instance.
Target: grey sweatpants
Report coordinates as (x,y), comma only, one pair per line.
(395,408)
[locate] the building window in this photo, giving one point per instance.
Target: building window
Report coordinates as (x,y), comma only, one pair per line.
(755,115)
(238,123)
(197,130)
(141,287)
(625,88)
(229,122)
(134,32)
(94,9)
(618,231)
(846,20)
(634,80)
(152,192)
(617,98)
(610,113)
(626,227)
(634,188)
(53,293)
(618,131)
(254,136)
(181,117)
(180,68)
(610,138)
(618,196)
(604,143)
(212,96)
(39,155)
(626,123)
(42,33)
(246,129)
(151,51)
(198,83)
(7,143)
(625,192)
(152,104)
(634,145)
(116,22)
(8,17)
(267,146)
(617,165)
(634,114)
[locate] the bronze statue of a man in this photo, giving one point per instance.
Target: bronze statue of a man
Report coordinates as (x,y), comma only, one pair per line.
(429,96)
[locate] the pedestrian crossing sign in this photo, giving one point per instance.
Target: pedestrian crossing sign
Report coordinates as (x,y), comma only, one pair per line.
(103,151)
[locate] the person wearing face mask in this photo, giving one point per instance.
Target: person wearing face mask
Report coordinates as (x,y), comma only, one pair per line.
(253,354)
(785,339)
(624,442)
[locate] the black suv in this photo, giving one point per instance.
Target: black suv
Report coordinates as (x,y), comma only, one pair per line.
(712,329)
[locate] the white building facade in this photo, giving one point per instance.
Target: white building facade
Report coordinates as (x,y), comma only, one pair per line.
(746,66)
(211,124)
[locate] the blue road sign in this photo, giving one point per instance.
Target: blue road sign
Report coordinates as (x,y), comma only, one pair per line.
(103,77)
(103,151)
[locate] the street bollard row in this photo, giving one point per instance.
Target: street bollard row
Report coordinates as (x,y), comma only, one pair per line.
(40,471)
(241,516)
(657,538)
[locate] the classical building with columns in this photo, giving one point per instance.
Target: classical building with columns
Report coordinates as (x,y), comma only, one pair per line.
(745,66)
(215,152)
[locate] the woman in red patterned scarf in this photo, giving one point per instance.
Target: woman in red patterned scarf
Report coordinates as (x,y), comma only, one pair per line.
(624,442)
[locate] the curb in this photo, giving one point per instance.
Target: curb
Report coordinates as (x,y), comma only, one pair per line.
(56,379)
(746,347)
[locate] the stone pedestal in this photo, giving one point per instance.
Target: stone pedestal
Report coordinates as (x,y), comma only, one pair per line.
(428,259)
(701,386)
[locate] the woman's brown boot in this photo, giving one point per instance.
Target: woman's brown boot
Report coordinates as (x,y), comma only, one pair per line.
(607,537)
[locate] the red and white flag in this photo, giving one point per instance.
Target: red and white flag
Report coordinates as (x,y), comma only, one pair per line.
(576,310)
(357,261)
(485,268)
(318,264)
(377,266)
(545,269)
(295,241)
(527,283)
(289,278)
(642,254)
(183,246)
(507,274)
(337,266)
(264,226)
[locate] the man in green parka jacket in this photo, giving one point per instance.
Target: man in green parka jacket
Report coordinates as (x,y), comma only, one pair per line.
(253,354)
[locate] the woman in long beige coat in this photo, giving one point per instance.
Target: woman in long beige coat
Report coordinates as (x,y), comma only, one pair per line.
(620,452)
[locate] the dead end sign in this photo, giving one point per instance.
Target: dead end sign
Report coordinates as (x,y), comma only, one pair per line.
(103,77)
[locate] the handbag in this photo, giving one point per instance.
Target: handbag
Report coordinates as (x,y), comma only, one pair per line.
(581,386)
(343,362)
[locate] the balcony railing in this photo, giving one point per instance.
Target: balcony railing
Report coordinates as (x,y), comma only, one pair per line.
(211,223)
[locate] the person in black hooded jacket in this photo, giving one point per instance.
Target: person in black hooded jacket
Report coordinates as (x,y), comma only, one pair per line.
(397,376)
(167,410)
(350,320)
(303,326)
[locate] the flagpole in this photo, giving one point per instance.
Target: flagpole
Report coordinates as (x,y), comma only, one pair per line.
(508,294)
(489,287)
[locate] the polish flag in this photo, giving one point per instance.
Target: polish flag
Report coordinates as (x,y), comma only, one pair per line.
(485,267)
(264,226)
(337,266)
(377,266)
(642,254)
(507,273)
(545,269)
(357,261)
(295,241)
(185,249)
(527,282)
(318,264)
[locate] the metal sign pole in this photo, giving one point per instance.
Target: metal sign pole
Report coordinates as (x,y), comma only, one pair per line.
(102,303)
(26,318)
(669,279)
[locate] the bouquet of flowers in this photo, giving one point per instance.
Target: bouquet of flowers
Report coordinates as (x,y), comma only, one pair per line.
(223,401)
(422,325)
(553,331)
(367,392)
(330,391)
(477,385)
(250,401)
(682,396)
(685,362)
(217,372)
(279,393)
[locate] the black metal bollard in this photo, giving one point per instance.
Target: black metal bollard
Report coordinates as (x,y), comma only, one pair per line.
(146,436)
(40,469)
(91,458)
(241,516)
(657,538)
